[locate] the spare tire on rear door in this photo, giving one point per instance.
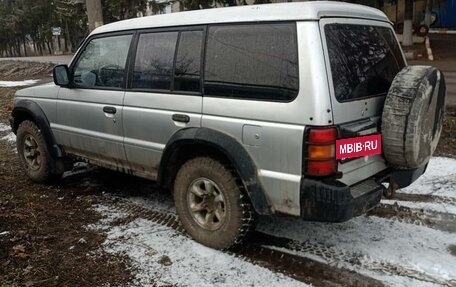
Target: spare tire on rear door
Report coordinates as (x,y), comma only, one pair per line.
(413,116)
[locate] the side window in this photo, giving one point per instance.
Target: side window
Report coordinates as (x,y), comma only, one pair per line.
(154,61)
(188,61)
(102,63)
(252,61)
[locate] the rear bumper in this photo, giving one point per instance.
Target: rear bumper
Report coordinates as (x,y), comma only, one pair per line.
(336,202)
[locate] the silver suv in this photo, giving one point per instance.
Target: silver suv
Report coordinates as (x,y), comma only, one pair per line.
(301,109)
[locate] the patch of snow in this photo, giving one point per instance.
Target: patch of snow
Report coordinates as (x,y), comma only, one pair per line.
(374,242)
(166,205)
(439,179)
(164,257)
(108,217)
(11,137)
(4,128)
(4,233)
(7,84)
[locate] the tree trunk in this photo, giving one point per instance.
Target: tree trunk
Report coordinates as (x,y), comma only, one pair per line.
(66,36)
(408,20)
(94,14)
(24,41)
(18,48)
(49,47)
(427,13)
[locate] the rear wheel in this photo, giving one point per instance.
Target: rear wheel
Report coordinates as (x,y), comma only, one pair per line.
(33,153)
(210,203)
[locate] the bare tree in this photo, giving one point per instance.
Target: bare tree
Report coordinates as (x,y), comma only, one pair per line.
(94,13)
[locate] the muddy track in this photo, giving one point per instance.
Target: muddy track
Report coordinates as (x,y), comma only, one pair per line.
(291,257)
(300,268)
(433,219)
(424,198)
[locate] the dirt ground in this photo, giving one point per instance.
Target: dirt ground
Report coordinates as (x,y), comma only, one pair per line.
(47,242)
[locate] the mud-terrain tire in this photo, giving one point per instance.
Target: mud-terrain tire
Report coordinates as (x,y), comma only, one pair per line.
(199,184)
(33,153)
(412,117)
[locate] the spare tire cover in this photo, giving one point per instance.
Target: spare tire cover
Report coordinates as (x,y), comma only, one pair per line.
(413,116)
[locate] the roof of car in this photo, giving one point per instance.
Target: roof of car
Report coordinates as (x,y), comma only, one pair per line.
(313,10)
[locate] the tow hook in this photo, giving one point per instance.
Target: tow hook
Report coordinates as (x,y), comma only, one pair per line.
(390,192)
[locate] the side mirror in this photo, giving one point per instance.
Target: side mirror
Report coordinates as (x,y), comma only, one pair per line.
(61,75)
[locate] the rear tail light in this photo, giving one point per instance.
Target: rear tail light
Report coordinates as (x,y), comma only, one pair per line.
(320,155)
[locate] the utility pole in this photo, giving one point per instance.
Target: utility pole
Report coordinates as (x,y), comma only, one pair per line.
(94,14)
(408,20)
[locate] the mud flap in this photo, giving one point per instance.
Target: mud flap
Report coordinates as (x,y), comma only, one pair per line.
(404,177)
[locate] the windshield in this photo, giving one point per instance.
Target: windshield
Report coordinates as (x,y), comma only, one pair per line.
(364,60)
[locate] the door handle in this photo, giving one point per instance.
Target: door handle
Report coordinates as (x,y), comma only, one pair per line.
(109,110)
(181,118)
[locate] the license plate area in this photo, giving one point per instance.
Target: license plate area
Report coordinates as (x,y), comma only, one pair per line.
(358,146)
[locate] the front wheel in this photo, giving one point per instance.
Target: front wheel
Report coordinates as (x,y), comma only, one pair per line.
(33,152)
(210,203)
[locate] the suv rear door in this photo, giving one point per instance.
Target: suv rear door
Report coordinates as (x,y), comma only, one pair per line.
(164,93)
(362,58)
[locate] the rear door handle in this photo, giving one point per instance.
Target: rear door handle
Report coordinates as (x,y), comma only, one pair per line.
(109,110)
(181,118)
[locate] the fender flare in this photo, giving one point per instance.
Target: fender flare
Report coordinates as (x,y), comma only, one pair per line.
(33,110)
(232,149)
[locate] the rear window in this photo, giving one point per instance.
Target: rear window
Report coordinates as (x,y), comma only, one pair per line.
(364,60)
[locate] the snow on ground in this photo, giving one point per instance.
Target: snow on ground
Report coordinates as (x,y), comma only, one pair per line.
(4,128)
(166,205)
(398,253)
(164,257)
(377,243)
(7,84)
(439,179)
(11,137)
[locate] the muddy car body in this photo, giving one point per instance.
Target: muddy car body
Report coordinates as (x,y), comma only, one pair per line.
(238,110)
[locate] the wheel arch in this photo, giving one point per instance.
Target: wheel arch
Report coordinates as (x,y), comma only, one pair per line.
(192,142)
(30,110)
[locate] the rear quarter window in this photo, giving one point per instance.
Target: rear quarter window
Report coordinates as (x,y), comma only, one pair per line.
(252,61)
(364,60)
